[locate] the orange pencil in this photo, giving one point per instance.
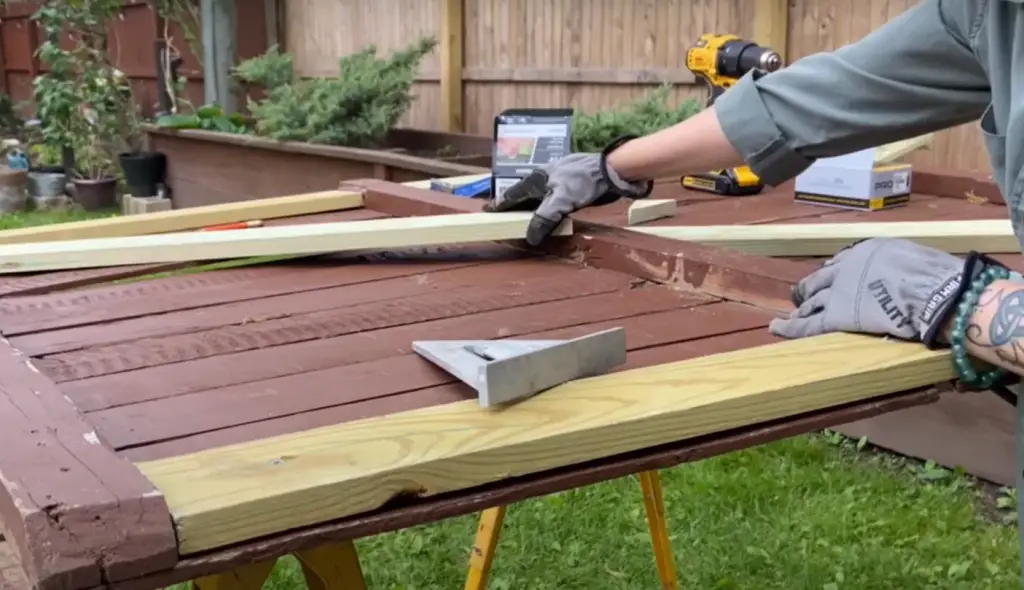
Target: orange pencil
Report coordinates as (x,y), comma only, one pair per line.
(236,225)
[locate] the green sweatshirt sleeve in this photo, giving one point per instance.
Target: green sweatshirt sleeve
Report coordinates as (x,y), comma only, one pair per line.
(914,75)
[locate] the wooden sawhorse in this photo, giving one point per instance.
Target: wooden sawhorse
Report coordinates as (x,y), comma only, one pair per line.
(335,566)
(482,554)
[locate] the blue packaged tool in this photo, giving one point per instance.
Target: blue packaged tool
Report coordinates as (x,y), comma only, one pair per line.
(476,189)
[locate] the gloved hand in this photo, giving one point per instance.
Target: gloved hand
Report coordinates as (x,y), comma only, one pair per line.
(562,187)
(879,286)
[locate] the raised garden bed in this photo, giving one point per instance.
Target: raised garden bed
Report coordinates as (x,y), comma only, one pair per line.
(207,167)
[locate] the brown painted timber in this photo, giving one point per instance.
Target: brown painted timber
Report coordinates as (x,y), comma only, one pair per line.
(210,168)
(73,512)
(733,275)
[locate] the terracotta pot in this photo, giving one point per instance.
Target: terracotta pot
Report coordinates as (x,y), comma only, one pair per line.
(92,194)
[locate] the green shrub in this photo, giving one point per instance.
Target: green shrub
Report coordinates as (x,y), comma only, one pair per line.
(591,132)
(357,108)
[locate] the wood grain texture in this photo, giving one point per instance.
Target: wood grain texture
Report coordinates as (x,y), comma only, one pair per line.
(382,234)
(227,495)
(993,236)
(417,513)
(183,219)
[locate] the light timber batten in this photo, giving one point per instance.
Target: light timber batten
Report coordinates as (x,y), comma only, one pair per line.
(233,493)
(268,241)
(992,236)
(185,219)
(890,152)
(644,210)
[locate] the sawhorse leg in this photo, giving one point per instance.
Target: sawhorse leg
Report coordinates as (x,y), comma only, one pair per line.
(654,506)
(482,555)
(330,567)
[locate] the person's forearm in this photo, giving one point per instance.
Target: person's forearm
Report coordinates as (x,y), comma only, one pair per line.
(915,75)
(695,145)
(995,331)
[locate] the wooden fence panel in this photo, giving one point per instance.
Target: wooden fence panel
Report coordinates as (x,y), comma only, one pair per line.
(585,53)
(318,32)
(131,41)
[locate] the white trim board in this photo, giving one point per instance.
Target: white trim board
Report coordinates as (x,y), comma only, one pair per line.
(382,234)
(991,236)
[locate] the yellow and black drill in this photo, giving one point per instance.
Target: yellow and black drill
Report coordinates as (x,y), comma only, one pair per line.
(720,61)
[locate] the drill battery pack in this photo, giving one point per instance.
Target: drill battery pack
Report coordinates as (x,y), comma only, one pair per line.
(731,182)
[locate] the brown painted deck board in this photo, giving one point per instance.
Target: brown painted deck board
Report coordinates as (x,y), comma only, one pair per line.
(440,394)
(258,295)
(117,389)
(351,384)
(498,287)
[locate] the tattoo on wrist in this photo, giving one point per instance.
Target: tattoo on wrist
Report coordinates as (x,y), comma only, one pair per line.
(1005,330)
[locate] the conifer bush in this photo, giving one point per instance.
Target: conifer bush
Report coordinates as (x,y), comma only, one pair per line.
(592,132)
(357,108)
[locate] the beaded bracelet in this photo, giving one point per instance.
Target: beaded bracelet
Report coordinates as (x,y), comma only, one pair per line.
(965,371)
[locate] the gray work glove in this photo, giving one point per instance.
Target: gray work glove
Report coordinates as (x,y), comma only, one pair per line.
(562,187)
(879,286)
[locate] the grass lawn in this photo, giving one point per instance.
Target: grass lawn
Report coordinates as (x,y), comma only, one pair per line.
(32,218)
(809,513)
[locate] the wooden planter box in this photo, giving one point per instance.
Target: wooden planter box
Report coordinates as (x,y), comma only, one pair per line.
(207,168)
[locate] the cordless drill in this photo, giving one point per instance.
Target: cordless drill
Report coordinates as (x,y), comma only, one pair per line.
(720,61)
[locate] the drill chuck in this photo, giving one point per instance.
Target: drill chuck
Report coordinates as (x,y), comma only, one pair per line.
(736,57)
(770,61)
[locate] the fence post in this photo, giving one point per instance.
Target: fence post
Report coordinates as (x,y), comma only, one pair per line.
(452,26)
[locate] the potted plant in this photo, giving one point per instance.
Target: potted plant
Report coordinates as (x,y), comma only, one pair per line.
(94,178)
(143,170)
(85,103)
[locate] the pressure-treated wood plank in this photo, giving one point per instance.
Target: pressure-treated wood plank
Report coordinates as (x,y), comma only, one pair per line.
(992,236)
(644,210)
(230,494)
(890,152)
(453,180)
(184,219)
(315,238)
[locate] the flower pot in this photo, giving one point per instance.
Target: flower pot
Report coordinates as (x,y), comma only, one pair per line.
(143,172)
(92,194)
(47,182)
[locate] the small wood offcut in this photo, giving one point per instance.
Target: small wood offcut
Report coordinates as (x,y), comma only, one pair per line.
(198,426)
